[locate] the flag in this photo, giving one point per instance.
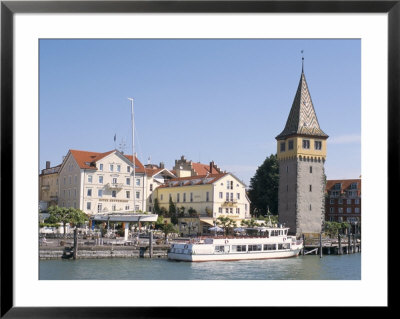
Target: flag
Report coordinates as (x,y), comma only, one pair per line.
(115,137)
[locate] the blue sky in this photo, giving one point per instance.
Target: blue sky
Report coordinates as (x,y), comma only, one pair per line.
(221,100)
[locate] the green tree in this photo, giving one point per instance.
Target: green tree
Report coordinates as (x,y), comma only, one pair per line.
(264,186)
(164,212)
(192,212)
(156,207)
(168,229)
(182,211)
(66,215)
(226,223)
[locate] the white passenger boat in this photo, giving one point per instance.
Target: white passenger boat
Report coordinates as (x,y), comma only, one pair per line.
(275,244)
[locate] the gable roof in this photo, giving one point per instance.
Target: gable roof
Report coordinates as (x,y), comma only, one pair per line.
(87,160)
(302,119)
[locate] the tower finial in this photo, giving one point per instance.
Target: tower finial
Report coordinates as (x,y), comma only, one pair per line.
(302,61)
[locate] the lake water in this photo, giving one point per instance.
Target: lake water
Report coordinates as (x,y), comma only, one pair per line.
(311,267)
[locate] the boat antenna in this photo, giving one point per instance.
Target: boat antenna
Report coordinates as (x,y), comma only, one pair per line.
(269,217)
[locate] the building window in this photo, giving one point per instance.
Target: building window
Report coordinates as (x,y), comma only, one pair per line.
(99,208)
(64,180)
(128,169)
(357,210)
(332,219)
(111,167)
(221,195)
(238,211)
(290,144)
(353,186)
(283,145)
(220,210)
(231,210)
(75,179)
(310,206)
(349,201)
(318,145)
(331,210)
(90,178)
(207,196)
(332,201)
(177,198)
(226,210)
(89,192)
(340,210)
(287,169)
(114,180)
(245,207)
(69,179)
(151,187)
(227,196)
(191,197)
(101,167)
(348,210)
(311,169)
(231,197)
(88,205)
(137,195)
(340,201)
(100,193)
(184,197)
(114,207)
(337,186)
(128,194)
(150,199)
(127,206)
(161,197)
(118,168)
(306,144)
(74,192)
(100,179)
(310,188)
(137,181)
(128,181)
(357,201)
(114,193)
(136,207)
(238,196)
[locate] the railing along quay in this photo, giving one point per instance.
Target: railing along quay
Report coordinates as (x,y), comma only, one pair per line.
(344,244)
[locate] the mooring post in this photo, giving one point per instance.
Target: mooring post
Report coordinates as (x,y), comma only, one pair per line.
(320,245)
(340,245)
(151,243)
(348,241)
(75,243)
(304,243)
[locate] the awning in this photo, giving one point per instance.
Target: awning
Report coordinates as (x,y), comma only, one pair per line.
(207,221)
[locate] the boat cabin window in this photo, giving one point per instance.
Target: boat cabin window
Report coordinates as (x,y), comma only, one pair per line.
(284,246)
(238,247)
(221,249)
(254,247)
(270,247)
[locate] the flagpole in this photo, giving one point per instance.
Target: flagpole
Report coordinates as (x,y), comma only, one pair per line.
(133,154)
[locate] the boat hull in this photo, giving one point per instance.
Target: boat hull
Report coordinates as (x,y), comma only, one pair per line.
(234,256)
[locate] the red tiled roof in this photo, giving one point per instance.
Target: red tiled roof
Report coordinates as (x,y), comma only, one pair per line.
(199,180)
(345,183)
(203,169)
(84,158)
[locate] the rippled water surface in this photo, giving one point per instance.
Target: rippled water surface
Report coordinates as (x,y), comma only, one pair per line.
(330,267)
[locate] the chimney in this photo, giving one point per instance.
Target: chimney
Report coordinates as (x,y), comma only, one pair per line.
(161,165)
(211,166)
(47,164)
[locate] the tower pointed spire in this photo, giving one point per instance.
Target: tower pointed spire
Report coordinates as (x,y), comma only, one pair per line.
(302,62)
(302,118)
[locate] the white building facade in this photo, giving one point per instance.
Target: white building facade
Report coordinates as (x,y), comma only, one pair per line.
(102,182)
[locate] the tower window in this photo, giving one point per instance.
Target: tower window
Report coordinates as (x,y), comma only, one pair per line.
(310,169)
(318,145)
(310,206)
(287,168)
(306,144)
(283,146)
(290,145)
(310,188)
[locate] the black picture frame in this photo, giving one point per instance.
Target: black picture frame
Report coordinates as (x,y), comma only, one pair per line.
(9,8)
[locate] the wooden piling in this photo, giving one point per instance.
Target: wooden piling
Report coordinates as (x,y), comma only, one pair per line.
(348,241)
(354,243)
(320,245)
(304,243)
(151,244)
(75,254)
(340,245)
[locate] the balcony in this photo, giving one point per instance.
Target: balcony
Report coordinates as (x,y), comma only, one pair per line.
(54,198)
(114,185)
(230,202)
(45,187)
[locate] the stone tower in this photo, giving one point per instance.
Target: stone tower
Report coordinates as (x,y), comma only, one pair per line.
(301,156)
